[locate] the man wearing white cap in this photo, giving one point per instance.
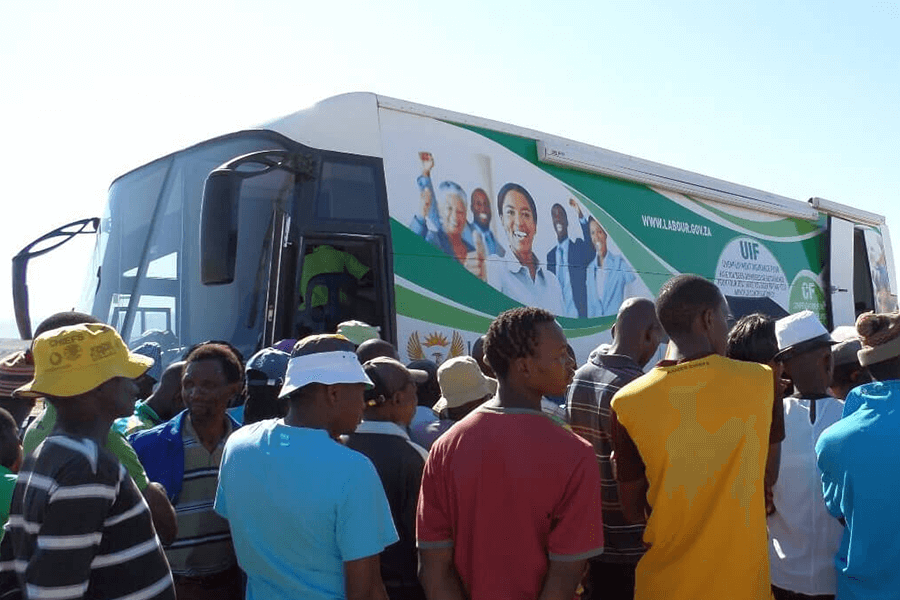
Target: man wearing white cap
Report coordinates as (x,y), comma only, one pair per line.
(803,537)
(78,526)
(463,389)
(308,516)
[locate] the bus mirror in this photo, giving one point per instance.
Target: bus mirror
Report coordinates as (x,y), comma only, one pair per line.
(219,226)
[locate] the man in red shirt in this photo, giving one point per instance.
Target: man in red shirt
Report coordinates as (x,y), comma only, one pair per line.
(510,501)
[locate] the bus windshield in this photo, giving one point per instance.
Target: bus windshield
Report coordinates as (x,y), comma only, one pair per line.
(144,277)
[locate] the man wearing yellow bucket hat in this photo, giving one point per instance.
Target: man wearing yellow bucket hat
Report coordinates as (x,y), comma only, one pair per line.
(78,524)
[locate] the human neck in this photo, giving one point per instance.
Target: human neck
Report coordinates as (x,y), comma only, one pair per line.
(96,430)
(512,394)
(691,348)
(307,417)
(211,432)
(624,349)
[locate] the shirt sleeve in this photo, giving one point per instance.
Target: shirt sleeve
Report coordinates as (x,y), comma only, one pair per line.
(434,526)
(364,524)
(117,444)
(60,566)
(834,480)
(582,412)
(578,531)
(776,430)
(627,462)
(220,504)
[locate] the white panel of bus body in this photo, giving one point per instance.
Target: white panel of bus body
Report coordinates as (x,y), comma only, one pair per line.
(346,123)
(841,271)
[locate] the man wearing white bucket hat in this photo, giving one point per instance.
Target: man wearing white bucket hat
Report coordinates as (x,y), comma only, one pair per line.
(308,516)
(803,537)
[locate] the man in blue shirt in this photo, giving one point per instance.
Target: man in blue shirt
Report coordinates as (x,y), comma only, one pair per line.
(860,469)
(308,516)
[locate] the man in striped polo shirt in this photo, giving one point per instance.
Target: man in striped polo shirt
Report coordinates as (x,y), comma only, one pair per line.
(79,527)
(183,454)
(636,338)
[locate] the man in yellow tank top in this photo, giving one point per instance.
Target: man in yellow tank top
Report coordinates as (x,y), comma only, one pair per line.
(690,443)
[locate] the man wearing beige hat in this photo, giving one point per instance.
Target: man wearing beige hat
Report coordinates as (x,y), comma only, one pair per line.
(860,468)
(382,436)
(78,525)
(463,389)
(803,537)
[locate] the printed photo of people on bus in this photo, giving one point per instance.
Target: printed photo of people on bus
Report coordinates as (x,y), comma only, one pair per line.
(577,276)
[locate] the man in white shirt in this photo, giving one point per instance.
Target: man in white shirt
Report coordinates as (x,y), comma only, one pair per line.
(523,279)
(803,537)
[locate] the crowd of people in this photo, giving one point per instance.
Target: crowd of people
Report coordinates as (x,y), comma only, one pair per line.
(756,460)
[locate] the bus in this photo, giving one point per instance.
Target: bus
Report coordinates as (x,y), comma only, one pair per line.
(428,223)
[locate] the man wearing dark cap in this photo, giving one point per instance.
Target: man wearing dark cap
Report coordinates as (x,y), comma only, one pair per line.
(802,536)
(308,516)
(78,525)
(382,436)
(265,376)
(373,348)
(860,468)
(848,373)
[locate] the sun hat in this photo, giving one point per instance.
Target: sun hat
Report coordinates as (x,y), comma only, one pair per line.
(72,360)
(325,358)
(16,370)
(799,333)
(461,382)
(880,336)
(267,367)
(385,372)
(357,331)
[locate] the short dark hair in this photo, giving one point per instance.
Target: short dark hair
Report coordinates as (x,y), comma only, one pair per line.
(374,348)
(512,335)
(9,439)
(232,347)
(843,375)
(515,187)
(64,319)
(231,365)
(682,299)
(752,339)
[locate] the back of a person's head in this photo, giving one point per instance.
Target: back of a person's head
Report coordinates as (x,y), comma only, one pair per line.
(682,299)
(64,319)
(228,360)
(9,439)
(427,393)
(512,335)
(752,339)
(374,348)
(321,360)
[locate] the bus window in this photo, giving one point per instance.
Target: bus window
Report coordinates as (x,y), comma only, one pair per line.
(348,192)
(337,283)
(863,292)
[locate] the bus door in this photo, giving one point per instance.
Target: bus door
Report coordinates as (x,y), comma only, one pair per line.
(342,268)
(859,279)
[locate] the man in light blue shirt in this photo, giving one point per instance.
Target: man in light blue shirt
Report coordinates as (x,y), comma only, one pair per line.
(860,468)
(308,516)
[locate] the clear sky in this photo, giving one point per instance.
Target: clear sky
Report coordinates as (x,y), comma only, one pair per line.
(798,98)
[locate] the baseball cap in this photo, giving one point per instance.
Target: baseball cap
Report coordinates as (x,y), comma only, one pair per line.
(461,382)
(267,367)
(72,360)
(154,351)
(386,375)
(325,358)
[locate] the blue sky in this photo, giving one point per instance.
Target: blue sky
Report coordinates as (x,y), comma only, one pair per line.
(796,98)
